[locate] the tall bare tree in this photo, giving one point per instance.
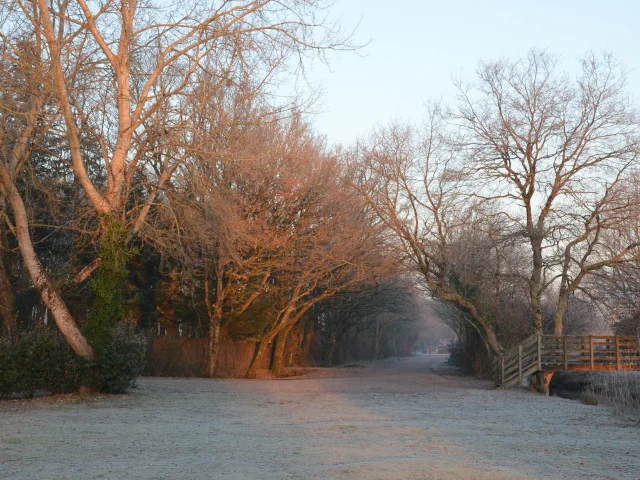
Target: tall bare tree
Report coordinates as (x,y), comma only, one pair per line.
(553,149)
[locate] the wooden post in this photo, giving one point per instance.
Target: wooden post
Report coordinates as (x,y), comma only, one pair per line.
(618,366)
(591,359)
(502,362)
(539,352)
(566,360)
(520,362)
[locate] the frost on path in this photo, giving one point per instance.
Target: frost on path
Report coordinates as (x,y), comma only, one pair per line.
(387,421)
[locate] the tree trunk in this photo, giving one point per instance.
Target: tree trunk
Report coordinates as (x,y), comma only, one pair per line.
(480,322)
(215,319)
(214,343)
(6,302)
(287,321)
(39,277)
(306,343)
(6,295)
(561,309)
(295,342)
(376,343)
(257,357)
(535,290)
(332,347)
(278,352)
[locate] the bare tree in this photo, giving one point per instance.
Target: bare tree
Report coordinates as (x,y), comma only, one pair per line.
(413,187)
(329,246)
(553,150)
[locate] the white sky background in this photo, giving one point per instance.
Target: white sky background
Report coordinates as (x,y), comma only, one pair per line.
(417,46)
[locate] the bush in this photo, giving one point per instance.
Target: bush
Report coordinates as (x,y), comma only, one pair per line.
(39,360)
(121,361)
(42,360)
(178,357)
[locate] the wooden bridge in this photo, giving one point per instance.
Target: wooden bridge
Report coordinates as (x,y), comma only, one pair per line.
(550,353)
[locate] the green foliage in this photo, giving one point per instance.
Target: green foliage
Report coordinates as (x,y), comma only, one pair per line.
(42,360)
(108,309)
(121,361)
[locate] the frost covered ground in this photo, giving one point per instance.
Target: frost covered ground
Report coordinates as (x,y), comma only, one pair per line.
(387,421)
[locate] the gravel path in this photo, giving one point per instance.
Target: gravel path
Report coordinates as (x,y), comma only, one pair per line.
(394,421)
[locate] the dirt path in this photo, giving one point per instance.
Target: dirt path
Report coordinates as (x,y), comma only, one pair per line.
(398,421)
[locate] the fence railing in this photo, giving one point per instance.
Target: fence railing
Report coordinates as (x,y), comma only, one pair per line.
(546,353)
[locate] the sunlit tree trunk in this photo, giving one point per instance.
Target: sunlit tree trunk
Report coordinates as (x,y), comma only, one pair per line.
(215,319)
(214,344)
(48,293)
(278,352)
(261,348)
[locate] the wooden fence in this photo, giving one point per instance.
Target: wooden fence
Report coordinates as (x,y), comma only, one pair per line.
(549,353)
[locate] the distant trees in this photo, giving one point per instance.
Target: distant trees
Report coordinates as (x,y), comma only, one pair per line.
(369,315)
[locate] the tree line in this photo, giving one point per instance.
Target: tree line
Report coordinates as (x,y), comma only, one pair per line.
(153,170)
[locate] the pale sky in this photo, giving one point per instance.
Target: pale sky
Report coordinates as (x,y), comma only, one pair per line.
(417,46)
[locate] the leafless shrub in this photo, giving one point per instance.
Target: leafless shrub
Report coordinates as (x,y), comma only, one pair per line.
(620,391)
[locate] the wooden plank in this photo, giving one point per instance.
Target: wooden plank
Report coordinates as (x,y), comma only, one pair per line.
(586,337)
(511,355)
(510,378)
(514,381)
(510,381)
(511,370)
(618,352)
(576,355)
(520,362)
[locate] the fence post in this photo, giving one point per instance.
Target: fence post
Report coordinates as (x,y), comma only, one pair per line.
(540,352)
(520,362)
(618,352)
(591,359)
(566,360)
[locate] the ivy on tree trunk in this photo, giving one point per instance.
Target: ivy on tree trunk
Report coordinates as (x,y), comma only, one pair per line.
(107,309)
